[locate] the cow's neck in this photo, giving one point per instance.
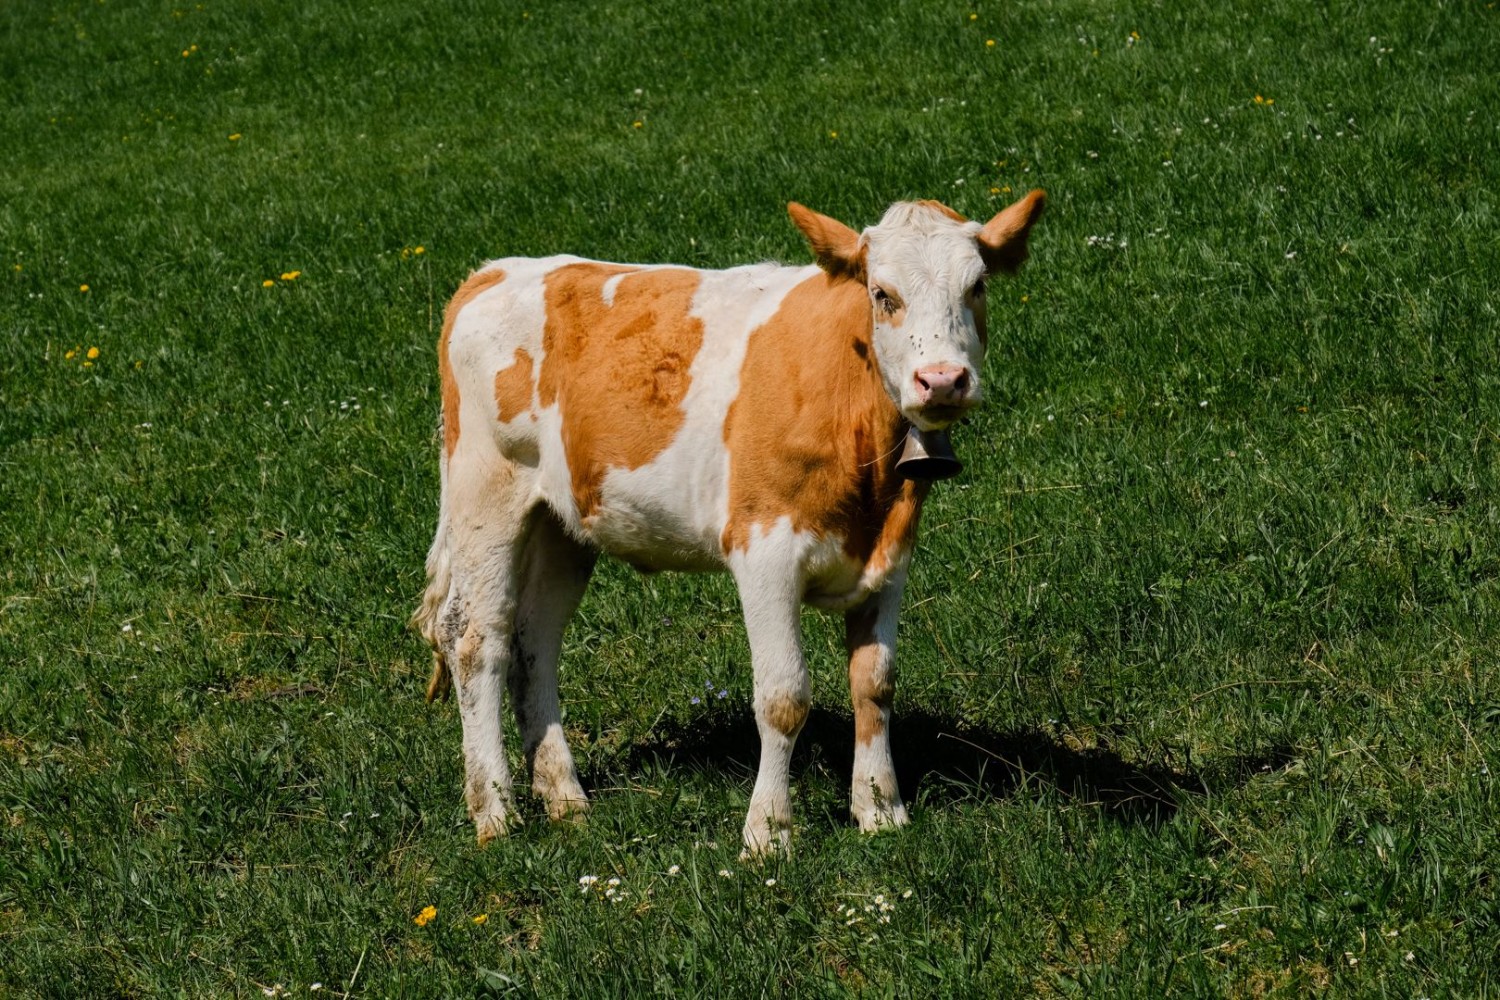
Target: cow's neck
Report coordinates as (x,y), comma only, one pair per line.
(885,506)
(813,436)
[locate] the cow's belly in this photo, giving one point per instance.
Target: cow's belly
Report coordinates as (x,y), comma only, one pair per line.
(650,538)
(840,583)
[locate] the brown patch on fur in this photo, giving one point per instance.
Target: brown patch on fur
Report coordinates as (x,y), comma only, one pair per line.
(786,714)
(474,796)
(476,284)
(813,436)
(870,687)
(618,371)
(941,209)
(513,387)
(1002,241)
(469,648)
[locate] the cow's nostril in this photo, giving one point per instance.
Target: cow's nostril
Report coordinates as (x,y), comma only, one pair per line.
(922,381)
(961,384)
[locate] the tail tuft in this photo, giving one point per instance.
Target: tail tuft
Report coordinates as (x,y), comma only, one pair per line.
(427,618)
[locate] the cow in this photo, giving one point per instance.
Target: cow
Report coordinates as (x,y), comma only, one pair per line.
(676,418)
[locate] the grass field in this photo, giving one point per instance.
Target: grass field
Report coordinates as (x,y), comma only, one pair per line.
(1199,688)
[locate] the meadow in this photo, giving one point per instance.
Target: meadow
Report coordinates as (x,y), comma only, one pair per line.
(1198,681)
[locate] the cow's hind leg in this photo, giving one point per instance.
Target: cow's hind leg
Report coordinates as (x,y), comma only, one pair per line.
(487,505)
(870,633)
(555,574)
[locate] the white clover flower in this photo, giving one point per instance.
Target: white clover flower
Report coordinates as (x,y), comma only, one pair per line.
(724,873)
(770,881)
(613,882)
(675,870)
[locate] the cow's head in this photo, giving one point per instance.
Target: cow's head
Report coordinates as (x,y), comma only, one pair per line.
(925,268)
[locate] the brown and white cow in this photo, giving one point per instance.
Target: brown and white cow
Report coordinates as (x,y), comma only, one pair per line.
(744,420)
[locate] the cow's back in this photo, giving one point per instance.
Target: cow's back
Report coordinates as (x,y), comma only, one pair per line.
(613,381)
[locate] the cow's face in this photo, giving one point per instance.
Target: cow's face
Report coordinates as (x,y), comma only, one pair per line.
(925,267)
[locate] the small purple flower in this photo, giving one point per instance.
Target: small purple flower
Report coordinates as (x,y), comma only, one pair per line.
(694,700)
(723,694)
(708,685)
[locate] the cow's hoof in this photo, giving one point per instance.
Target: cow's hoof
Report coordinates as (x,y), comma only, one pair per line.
(494,824)
(762,842)
(568,810)
(877,818)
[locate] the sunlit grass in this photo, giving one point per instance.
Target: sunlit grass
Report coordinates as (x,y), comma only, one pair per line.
(1198,672)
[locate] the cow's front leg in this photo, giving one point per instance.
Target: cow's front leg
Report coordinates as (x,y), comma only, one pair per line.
(870,633)
(771,593)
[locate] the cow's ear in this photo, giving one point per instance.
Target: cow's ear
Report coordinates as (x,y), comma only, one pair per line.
(836,246)
(1002,241)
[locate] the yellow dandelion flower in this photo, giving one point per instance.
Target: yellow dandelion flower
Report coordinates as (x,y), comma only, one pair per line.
(17,267)
(422,919)
(88,364)
(267,283)
(139,363)
(989,43)
(93,353)
(973,17)
(236,137)
(69,355)
(994,190)
(291,275)
(420,250)
(1005,190)
(83,288)
(482,918)
(833,135)
(637,124)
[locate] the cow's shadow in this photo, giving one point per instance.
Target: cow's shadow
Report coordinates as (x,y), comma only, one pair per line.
(941,761)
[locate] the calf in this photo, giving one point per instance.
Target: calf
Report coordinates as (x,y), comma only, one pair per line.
(745,420)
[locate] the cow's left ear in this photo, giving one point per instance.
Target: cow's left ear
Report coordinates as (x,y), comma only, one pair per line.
(1002,241)
(834,244)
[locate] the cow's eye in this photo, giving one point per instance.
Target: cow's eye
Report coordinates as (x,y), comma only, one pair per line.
(883,301)
(978,290)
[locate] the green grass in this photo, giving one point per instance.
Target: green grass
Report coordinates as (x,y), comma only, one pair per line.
(1199,687)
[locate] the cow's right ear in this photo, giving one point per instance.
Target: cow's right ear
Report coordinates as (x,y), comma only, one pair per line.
(836,246)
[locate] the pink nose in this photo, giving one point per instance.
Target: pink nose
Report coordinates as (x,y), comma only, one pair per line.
(942,385)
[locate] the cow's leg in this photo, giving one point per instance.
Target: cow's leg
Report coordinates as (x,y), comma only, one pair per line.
(870,633)
(771,593)
(488,504)
(557,570)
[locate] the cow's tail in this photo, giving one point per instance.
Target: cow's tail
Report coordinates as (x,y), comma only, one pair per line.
(427,619)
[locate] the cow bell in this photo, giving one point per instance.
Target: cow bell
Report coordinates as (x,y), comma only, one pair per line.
(928,455)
